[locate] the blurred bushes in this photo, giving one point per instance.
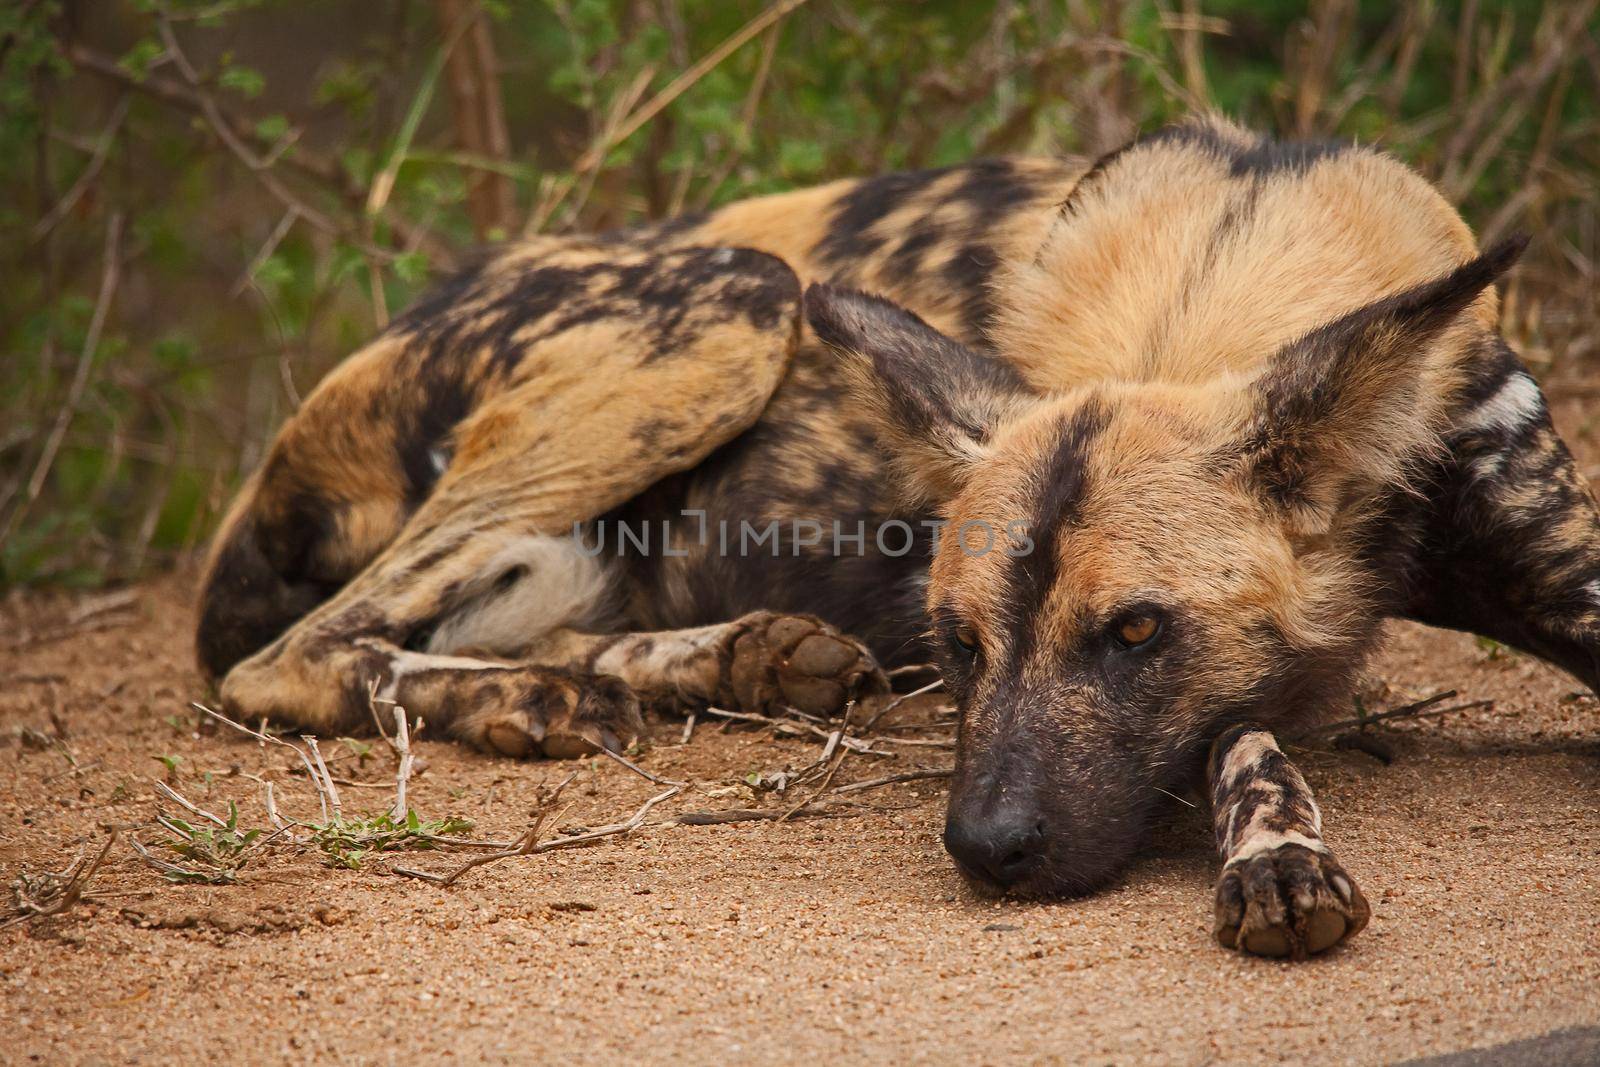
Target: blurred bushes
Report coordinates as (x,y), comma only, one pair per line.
(212,202)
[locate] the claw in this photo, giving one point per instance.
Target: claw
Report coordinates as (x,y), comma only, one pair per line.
(1287,901)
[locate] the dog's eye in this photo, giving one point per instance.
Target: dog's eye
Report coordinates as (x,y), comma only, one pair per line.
(966,637)
(1136,630)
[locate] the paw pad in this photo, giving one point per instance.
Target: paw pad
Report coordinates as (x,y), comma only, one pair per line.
(1287,901)
(800,662)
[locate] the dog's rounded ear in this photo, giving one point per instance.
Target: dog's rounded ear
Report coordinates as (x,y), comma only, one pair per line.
(1349,406)
(934,401)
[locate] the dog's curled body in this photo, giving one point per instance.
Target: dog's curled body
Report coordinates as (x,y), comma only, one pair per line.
(1217,405)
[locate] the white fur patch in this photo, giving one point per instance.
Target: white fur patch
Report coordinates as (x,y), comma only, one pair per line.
(1516,403)
(1264,841)
(405,663)
(556,586)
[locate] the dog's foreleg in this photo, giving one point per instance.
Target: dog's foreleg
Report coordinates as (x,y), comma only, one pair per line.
(1281,892)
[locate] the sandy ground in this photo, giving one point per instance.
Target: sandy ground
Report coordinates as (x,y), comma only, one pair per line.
(848,937)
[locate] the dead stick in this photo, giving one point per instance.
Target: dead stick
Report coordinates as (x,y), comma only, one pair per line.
(784,725)
(530,845)
(731,815)
(177,798)
(655,779)
(264,737)
(897,701)
(326,778)
(912,668)
(402,773)
(1404,711)
(894,779)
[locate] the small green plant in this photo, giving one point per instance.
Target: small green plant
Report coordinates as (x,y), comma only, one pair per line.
(350,842)
(1492,650)
(361,750)
(171,763)
(215,853)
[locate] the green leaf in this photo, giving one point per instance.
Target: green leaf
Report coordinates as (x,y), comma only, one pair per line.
(138,59)
(243,80)
(411,267)
(273,127)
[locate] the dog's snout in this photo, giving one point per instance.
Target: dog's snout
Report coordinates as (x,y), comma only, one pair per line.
(1002,845)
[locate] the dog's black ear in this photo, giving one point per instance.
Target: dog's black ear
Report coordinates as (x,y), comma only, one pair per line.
(935,401)
(1346,407)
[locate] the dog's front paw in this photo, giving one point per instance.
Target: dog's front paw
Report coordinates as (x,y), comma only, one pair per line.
(799,661)
(1288,901)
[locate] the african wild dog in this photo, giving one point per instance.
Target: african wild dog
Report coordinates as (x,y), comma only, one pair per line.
(1245,398)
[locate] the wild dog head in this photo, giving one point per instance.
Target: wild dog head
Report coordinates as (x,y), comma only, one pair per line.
(1195,552)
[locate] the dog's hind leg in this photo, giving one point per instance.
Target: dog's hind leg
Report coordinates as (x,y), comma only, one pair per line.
(612,401)
(494,586)
(1281,892)
(1510,540)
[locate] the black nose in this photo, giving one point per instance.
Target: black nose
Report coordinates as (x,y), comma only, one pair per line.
(1002,846)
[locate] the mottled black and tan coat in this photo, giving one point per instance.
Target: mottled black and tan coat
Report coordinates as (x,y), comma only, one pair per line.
(1227,403)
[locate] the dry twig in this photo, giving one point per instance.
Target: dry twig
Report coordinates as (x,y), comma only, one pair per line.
(1406,711)
(654,779)
(530,845)
(937,683)
(895,779)
(263,737)
(110,278)
(56,892)
(402,773)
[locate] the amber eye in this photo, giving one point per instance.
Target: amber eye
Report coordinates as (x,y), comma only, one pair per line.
(1137,630)
(966,637)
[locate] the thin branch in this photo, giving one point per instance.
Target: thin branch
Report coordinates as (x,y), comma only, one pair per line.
(275,238)
(178,798)
(257,165)
(787,726)
(530,845)
(732,815)
(895,779)
(326,779)
(91,171)
(937,683)
(263,737)
(402,774)
(383,182)
(1408,711)
(654,779)
(110,278)
(676,88)
(304,160)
